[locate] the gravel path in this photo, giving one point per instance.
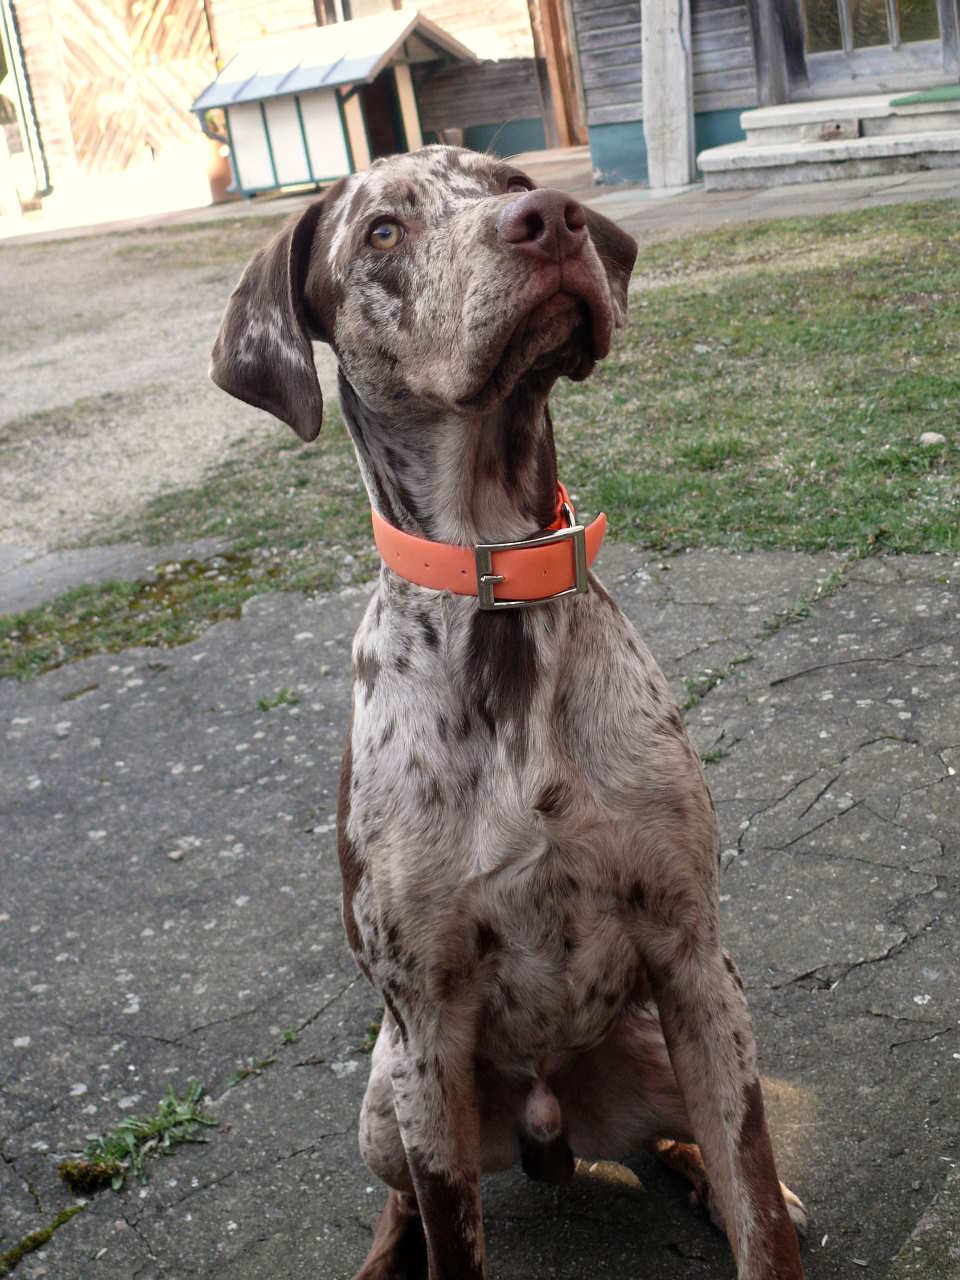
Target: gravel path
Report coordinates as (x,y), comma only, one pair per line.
(106,398)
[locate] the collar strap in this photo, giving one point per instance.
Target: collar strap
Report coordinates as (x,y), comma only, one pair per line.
(502,575)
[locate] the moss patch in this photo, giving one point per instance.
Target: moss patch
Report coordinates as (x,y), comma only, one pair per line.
(36,1240)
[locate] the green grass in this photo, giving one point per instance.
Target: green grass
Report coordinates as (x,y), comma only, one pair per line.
(252,1067)
(772,385)
(769,391)
(282,698)
(110,1157)
(296,518)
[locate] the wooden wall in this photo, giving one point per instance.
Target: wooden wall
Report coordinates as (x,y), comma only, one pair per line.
(608,36)
(461,96)
(236,23)
(496,30)
(43,65)
(113,78)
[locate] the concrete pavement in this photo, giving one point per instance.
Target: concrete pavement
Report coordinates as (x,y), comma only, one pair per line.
(170,907)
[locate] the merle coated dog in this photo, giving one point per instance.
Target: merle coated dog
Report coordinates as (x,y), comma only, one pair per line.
(527,843)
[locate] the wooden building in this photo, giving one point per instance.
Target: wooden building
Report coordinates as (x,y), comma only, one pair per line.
(311,106)
(101,84)
(756,53)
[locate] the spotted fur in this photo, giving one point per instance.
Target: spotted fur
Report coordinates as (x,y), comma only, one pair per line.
(528,847)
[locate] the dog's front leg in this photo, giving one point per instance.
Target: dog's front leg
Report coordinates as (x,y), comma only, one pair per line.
(434,1091)
(708,1032)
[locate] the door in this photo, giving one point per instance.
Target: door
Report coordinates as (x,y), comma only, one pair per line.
(381,111)
(872,46)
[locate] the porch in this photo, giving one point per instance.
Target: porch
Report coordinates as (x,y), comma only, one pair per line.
(698,80)
(861,137)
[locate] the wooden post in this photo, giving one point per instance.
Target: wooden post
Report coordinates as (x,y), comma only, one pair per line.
(551,105)
(668,92)
(552,43)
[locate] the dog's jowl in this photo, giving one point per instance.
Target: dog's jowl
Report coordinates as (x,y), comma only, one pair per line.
(528,847)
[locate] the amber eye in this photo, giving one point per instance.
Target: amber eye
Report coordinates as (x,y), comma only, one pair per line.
(386,235)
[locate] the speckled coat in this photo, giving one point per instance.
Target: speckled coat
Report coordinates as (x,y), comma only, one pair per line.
(527,843)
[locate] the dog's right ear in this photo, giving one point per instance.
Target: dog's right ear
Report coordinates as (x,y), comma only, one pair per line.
(262,353)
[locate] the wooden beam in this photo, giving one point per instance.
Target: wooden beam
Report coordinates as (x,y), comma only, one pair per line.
(791,25)
(777,30)
(950,36)
(560,57)
(554,127)
(668,125)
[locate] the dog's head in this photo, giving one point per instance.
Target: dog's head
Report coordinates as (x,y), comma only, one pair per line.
(442,280)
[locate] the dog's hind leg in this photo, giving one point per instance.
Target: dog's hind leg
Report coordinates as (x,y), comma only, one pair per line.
(708,1032)
(399,1249)
(623,1097)
(420,1132)
(684,1158)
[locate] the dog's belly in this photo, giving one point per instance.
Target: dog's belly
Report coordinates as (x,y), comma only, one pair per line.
(561,965)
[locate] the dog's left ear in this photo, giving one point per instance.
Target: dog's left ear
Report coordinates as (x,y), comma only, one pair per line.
(262,353)
(618,253)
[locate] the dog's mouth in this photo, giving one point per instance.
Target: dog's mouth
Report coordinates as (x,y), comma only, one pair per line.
(564,330)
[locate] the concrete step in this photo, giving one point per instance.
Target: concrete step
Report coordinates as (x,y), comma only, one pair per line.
(742,164)
(844,118)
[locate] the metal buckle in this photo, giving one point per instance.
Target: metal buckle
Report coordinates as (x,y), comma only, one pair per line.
(487,579)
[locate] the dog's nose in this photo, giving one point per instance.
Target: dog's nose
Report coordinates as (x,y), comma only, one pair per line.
(545,224)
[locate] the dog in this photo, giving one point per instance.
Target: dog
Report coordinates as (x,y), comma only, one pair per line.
(528,848)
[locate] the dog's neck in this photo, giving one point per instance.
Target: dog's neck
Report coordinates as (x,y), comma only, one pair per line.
(459,478)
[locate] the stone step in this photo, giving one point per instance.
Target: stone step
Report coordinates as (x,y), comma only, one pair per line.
(742,164)
(844,118)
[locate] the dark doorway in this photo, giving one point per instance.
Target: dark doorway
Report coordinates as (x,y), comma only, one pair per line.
(381,111)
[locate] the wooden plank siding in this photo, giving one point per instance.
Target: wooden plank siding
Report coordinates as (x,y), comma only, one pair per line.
(242,22)
(500,30)
(112,78)
(40,56)
(608,37)
(463,96)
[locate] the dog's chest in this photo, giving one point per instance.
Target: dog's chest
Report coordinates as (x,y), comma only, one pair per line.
(478,874)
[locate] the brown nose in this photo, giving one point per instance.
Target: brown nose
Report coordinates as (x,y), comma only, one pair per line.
(545,224)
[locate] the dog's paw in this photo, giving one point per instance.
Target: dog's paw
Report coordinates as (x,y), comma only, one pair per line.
(702,1198)
(798,1214)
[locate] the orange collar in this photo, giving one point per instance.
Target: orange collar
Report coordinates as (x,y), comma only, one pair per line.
(530,572)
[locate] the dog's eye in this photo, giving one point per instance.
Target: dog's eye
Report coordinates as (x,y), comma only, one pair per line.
(517,184)
(386,235)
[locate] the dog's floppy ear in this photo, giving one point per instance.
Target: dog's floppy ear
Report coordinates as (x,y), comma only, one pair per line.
(618,253)
(262,353)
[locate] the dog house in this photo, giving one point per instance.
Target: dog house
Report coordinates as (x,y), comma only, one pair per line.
(316,104)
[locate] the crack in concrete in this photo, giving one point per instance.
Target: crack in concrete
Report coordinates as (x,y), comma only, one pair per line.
(11,1163)
(766,806)
(827,983)
(834,817)
(820,794)
(134,1225)
(116,1034)
(909,830)
(936,1035)
(234,1017)
(333,999)
(853,662)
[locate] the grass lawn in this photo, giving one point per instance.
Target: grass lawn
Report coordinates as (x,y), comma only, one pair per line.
(772,386)
(769,391)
